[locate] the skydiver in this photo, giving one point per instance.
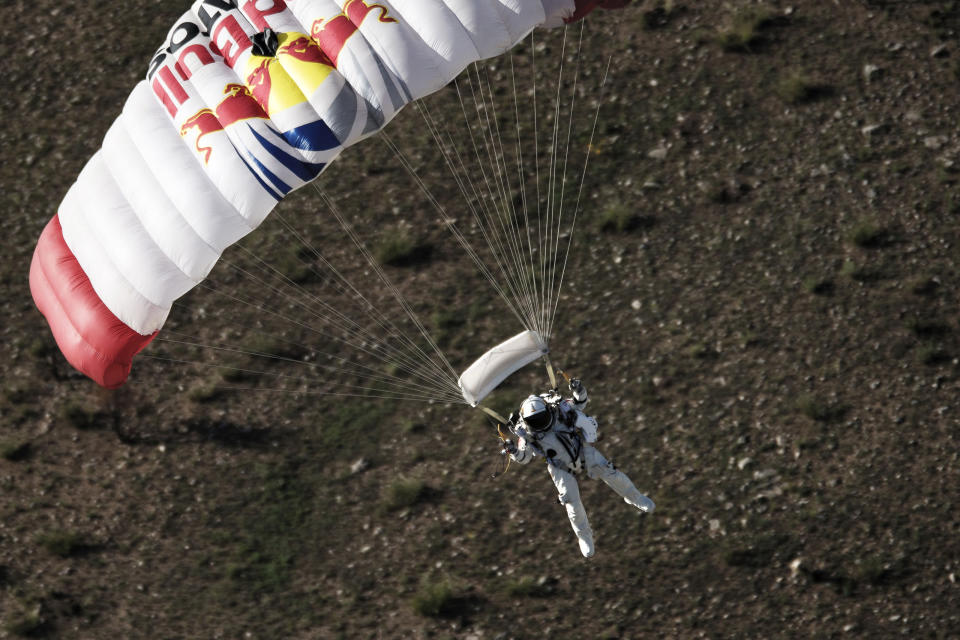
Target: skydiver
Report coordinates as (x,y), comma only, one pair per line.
(558,430)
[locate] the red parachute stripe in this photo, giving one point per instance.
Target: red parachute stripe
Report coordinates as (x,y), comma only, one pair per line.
(93,340)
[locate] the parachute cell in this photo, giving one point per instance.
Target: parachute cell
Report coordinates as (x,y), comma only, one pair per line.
(243,104)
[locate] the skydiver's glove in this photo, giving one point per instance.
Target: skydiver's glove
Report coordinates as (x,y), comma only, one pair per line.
(578,390)
(514,418)
(509,448)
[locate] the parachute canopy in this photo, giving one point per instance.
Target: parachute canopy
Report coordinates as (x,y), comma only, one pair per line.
(245,102)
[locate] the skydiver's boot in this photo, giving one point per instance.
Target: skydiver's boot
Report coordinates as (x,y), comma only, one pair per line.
(586,547)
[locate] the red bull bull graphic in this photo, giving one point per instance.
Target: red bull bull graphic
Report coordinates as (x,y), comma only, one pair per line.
(239,105)
(332,35)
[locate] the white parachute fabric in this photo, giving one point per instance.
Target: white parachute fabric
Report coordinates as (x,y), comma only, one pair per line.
(499,363)
(231,129)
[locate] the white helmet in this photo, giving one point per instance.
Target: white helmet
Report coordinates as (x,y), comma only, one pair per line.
(536,413)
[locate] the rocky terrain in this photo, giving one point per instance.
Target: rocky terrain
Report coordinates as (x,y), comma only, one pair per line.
(761,300)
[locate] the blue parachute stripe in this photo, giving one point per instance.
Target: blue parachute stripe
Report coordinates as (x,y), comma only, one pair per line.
(303,170)
(276,196)
(281,186)
(316,136)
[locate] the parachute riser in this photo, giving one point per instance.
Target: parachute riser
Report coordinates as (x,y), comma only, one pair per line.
(550,372)
(493,414)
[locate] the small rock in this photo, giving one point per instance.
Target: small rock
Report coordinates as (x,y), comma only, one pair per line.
(935,142)
(714,525)
(796,565)
(872,129)
(871,72)
(360,465)
(764,474)
(743,462)
(636,305)
(660,153)
(939,51)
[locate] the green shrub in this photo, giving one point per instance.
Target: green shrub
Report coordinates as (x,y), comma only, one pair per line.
(818,410)
(25,623)
(205,393)
(62,543)
(527,587)
(869,235)
(297,266)
(619,218)
(18,393)
(797,88)
(80,415)
(404,493)
(264,345)
(759,552)
(924,328)
(659,14)
(435,599)
(400,250)
(14,451)
(931,354)
(743,31)
(819,286)
(860,273)
(237,375)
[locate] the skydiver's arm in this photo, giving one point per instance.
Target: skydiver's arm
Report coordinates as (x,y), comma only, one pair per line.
(523,453)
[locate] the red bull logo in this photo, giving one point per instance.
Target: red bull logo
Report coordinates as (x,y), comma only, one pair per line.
(333,34)
(239,105)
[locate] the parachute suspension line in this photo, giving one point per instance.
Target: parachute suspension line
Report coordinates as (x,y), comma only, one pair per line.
(500,200)
(545,259)
(359,370)
(403,393)
(522,179)
(536,128)
(529,261)
(552,288)
(393,289)
(448,222)
(508,211)
(523,274)
(362,392)
(583,177)
(358,336)
(357,339)
(433,390)
(411,362)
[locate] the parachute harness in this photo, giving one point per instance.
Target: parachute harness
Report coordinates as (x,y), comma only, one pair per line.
(551,372)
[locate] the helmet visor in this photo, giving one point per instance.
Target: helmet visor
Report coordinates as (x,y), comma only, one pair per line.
(539,420)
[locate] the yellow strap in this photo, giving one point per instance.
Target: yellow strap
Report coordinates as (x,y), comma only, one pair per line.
(493,414)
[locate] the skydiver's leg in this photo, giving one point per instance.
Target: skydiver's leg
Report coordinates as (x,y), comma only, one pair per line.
(569,493)
(600,467)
